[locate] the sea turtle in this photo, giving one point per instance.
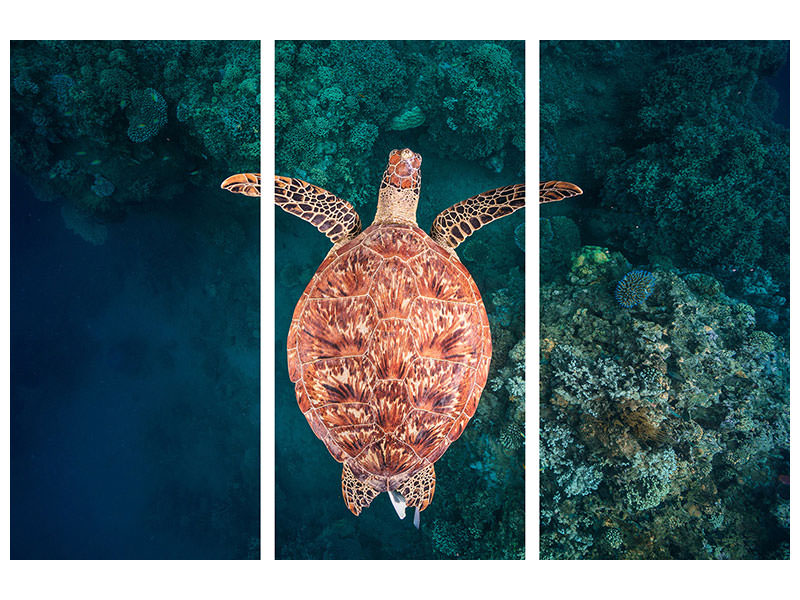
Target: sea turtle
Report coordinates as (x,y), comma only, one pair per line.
(389,345)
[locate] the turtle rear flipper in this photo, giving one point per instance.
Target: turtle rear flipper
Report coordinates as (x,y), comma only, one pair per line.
(333,216)
(418,489)
(553,191)
(248,184)
(453,225)
(357,494)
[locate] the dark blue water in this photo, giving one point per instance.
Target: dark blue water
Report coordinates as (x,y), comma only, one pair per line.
(134,383)
(780,81)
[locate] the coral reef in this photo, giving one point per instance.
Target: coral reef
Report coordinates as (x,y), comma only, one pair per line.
(664,424)
(664,431)
(147,114)
(108,127)
(677,150)
(340,104)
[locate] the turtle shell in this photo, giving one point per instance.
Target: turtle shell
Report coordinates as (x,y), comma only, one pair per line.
(389,350)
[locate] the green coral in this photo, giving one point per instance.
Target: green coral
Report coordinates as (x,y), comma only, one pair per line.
(335,100)
(484,101)
(761,342)
(613,538)
(646,483)
(447,538)
(692,164)
(94,98)
(512,437)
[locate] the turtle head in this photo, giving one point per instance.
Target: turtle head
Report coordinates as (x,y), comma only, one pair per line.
(399,193)
(402,172)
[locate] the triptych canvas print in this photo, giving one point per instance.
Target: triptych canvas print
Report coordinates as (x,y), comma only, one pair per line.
(404,251)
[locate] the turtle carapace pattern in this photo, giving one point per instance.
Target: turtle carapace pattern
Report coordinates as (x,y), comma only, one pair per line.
(389,345)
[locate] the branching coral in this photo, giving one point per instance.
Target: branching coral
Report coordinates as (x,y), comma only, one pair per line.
(646,482)
(484,100)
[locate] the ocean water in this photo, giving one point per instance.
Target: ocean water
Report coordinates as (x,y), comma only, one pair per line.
(135,382)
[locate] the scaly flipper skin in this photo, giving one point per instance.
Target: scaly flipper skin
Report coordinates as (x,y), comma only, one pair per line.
(333,216)
(418,489)
(553,191)
(453,225)
(357,494)
(248,184)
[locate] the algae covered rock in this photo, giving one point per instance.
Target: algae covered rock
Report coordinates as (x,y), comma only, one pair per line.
(593,264)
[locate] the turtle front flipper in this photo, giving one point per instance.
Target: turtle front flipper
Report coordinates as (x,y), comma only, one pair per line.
(357,494)
(553,191)
(248,184)
(333,216)
(454,225)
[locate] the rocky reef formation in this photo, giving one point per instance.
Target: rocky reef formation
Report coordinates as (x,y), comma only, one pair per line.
(107,127)
(664,427)
(341,104)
